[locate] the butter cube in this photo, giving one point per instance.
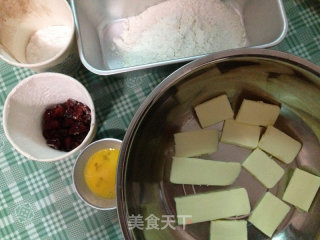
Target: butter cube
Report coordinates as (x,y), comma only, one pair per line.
(228,230)
(240,134)
(263,168)
(302,189)
(207,172)
(279,145)
(213,205)
(268,214)
(258,113)
(195,143)
(214,111)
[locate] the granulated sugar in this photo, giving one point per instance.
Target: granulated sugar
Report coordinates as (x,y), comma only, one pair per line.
(179,28)
(47,42)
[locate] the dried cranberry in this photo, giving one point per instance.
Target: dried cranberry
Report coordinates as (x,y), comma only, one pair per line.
(78,128)
(73,130)
(76,143)
(70,103)
(67,143)
(51,124)
(47,115)
(77,113)
(61,132)
(66,125)
(67,122)
(54,143)
(86,118)
(58,111)
(46,134)
(87,110)
(83,128)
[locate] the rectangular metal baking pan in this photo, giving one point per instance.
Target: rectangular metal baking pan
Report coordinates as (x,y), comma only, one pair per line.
(264,21)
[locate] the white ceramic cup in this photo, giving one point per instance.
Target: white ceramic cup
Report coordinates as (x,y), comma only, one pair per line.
(20,19)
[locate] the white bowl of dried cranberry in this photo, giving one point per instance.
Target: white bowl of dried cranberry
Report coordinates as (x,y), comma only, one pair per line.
(49,116)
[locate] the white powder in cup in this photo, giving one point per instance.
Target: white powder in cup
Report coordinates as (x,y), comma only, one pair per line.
(179,28)
(46,43)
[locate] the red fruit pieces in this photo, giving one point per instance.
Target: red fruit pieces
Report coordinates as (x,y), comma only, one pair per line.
(68,143)
(77,113)
(58,111)
(51,124)
(47,115)
(67,122)
(54,143)
(65,125)
(71,103)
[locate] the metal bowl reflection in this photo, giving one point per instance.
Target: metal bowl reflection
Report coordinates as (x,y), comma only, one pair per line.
(143,186)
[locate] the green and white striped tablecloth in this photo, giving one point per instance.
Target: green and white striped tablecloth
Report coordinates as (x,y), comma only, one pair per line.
(37,200)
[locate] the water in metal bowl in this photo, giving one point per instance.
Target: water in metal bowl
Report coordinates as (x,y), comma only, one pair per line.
(144,192)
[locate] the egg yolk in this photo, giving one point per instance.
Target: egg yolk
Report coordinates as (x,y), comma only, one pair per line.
(100,172)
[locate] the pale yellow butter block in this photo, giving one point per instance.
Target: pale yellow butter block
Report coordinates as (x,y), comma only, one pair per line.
(228,230)
(268,214)
(203,172)
(301,190)
(257,113)
(195,143)
(263,168)
(240,134)
(214,111)
(213,205)
(279,145)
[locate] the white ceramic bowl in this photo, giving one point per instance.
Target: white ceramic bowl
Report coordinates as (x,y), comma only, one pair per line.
(78,174)
(25,105)
(17,29)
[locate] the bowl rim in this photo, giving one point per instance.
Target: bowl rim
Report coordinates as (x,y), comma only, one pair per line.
(85,141)
(74,168)
(174,78)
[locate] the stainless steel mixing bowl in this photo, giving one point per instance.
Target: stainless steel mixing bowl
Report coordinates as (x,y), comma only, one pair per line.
(143,186)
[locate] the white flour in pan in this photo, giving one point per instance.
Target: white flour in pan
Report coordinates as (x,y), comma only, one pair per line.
(179,28)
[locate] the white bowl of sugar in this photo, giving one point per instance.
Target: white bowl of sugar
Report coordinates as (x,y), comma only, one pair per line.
(39,35)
